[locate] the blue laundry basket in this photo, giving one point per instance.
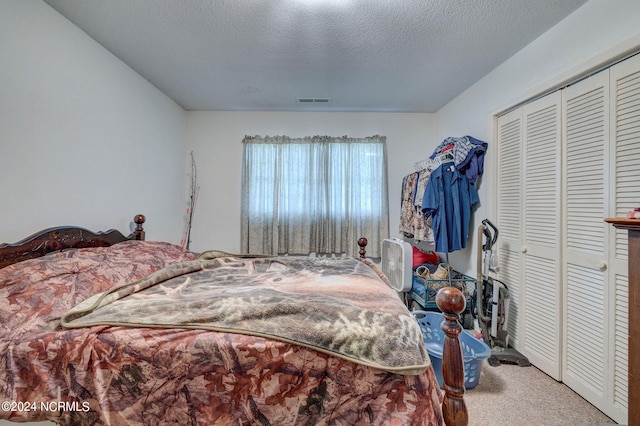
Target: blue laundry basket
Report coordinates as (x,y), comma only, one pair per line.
(474,351)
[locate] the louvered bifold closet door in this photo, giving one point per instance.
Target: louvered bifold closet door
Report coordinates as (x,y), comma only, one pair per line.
(509,216)
(541,215)
(625,195)
(586,171)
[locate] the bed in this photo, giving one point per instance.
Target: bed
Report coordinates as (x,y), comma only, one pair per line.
(107,329)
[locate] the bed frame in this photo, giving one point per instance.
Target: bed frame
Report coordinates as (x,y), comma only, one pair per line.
(62,238)
(449,299)
(452,303)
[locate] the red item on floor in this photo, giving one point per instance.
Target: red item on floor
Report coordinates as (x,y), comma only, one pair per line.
(420,257)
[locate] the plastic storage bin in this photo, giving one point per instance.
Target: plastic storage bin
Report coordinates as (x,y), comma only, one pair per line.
(423,293)
(474,351)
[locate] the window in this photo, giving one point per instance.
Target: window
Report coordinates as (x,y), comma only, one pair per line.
(314,194)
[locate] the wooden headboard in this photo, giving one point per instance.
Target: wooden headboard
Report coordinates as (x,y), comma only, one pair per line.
(64,237)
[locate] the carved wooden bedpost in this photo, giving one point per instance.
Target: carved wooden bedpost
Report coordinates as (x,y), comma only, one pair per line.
(138,233)
(452,303)
(362,242)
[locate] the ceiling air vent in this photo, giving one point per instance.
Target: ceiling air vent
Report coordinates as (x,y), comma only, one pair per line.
(314,100)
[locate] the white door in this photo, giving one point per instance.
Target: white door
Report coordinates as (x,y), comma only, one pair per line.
(586,181)
(559,176)
(529,159)
(509,217)
(542,296)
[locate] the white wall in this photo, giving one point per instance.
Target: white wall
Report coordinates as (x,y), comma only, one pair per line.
(84,140)
(594,34)
(215,138)
(580,42)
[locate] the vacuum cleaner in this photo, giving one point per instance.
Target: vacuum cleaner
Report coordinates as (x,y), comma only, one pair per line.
(492,301)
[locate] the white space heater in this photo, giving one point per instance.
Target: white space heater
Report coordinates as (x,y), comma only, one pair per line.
(397,262)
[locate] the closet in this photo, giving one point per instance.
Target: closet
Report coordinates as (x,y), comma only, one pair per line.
(529,222)
(565,162)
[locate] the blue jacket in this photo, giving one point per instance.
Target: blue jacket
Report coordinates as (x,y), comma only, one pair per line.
(449,198)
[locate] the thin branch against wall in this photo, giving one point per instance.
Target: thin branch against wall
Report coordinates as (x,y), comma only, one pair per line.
(191,207)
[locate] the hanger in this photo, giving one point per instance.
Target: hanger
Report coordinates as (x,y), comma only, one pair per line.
(428,164)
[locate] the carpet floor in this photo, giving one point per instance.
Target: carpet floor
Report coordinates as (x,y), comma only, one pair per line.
(513,395)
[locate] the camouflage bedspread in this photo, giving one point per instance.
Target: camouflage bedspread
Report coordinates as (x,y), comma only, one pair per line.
(141,375)
(340,306)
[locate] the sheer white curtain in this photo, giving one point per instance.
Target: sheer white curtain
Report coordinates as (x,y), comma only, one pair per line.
(315,194)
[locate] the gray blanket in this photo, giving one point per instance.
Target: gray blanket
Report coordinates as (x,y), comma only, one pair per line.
(339,306)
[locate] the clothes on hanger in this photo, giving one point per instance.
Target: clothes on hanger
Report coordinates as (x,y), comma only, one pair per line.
(468,155)
(438,198)
(413,223)
(407,208)
(448,199)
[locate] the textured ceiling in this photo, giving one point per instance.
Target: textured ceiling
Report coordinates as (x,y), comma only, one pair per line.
(364,55)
